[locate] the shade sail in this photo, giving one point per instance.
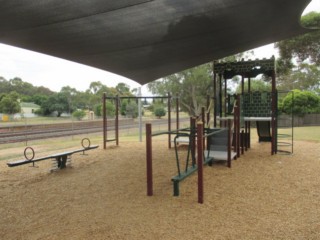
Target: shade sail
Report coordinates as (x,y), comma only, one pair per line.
(143,39)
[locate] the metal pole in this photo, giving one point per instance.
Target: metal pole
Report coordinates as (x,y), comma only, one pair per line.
(177,113)
(200,161)
(117,121)
(203,119)
(149,159)
(208,111)
(215,100)
(140,114)
(169,120)
(229,143)
(225,98)
(104,121)
(273,114)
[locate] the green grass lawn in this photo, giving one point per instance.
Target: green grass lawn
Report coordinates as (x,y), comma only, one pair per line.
(303,133)
(15,150)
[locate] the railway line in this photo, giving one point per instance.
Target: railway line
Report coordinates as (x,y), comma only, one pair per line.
(22,133)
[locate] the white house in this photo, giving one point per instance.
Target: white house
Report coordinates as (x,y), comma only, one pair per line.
(28,109)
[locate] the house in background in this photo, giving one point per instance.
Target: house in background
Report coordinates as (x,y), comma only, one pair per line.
(28,109)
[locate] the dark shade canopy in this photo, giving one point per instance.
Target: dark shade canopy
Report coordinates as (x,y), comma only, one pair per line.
(145,40)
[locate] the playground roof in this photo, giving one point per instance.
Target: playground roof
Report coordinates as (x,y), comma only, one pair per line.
(147,39)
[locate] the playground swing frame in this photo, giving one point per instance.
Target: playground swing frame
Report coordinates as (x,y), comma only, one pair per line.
(118,98)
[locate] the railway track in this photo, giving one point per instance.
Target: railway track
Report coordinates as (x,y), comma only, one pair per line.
(22,133)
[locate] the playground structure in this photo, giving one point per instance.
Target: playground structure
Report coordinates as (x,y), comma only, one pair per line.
(117,100)
(60,160)
(259,107)
(285,124)
(217,141)
(234,114)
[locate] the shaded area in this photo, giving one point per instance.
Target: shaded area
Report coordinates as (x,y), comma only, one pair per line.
(145,40)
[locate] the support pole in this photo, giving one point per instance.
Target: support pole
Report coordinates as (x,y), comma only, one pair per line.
(236,128)
(140,114)
(229,143)
(169,121)
(200,161)
(238,111)
(215,100)
(242,84)
(177,113)
(117,121)
(104,121)
(220,97)
(193,138)
(203,119)
(225,98)
(273,114)
(149,159)
(208,111)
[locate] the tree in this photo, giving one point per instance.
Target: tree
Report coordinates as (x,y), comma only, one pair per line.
(22,88)
(304,76)
(123,107)
(256,85)
(9,103)
(301,103)
(191,86)
(110,109)
(58,102)
(37,99)
(123,89)
(298,66)
(132,109)
(69,94)
(159,111)
(304,46)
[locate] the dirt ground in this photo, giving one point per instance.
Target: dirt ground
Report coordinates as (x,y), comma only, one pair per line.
(103,196)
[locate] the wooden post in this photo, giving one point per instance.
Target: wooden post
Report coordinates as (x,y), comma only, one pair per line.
(273,114)
(238,110)
(229,143)
(193,138)
(242,84)
(177,113)
(249,123)
(220,96)
(215,100)
(117,121)
(208,111)
(104,120)
(236,128)
(203,119)
(200,161)
(149,159)
(169,121)
(225,98)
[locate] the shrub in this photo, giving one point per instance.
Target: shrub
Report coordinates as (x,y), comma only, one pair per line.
(79,114)
(159,111)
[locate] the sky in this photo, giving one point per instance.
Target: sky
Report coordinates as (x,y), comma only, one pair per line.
(55,73)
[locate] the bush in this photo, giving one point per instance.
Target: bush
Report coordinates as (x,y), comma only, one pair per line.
(159,111)
(110,109)
(303,102)
(132,109)
(79,114)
